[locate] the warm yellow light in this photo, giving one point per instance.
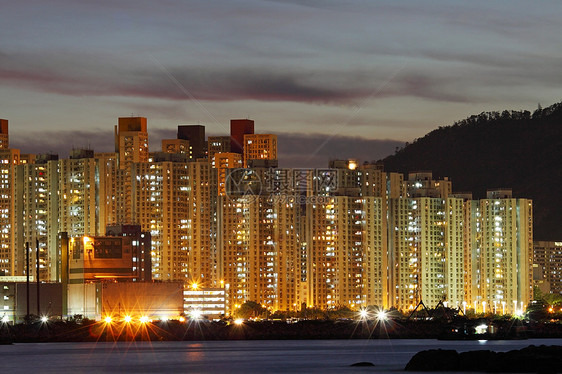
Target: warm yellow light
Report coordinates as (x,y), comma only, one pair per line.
(194,286)
(144,319)
(196,314)
(382,315)
(363,313)
(128,319)
(86,240)
(239,321)
(107,319)
(182,319)
(352,165)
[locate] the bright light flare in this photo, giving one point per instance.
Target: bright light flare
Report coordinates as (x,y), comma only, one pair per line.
(44,319)
(144,319)
(5,319)
(363,313)
(108,319)
(382,315)
(128,319)
(238,321)
(182,319)
(196,314)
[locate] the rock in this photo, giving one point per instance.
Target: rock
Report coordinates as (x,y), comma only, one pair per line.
(363,363)
(543,359)
(434,360)
(476,360)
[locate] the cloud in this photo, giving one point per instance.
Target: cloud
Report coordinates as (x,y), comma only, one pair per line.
(315,150)
(69,74)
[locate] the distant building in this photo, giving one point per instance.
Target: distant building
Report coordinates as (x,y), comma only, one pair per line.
(239,128)
(13,299)
(548,257)
(154,300)
(131,140)
(141,243)
(217,144)
(38,198)
(98,258)
(177,146)
(222,162)
(159,204)
(259,147)
(9,159)
(207,302)
(4,137)
(195,134)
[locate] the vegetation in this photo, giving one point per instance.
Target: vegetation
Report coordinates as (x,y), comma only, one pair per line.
(514,149)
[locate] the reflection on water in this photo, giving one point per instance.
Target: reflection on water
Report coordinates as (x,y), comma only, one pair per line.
(271,356)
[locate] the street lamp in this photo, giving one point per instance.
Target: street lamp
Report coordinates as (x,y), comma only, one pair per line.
(382,315)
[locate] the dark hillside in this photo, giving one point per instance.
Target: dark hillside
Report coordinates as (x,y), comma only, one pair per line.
(518,150)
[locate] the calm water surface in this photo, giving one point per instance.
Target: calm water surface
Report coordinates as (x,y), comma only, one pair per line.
(271,356)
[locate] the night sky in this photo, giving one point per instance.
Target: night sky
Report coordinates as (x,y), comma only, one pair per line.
(331,78)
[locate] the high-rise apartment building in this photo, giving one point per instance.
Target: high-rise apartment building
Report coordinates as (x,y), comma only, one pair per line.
(259,147)
(131,144)
(4,136)
(222,162)
(78,194)
(348,235)
(111,199)
(9,159)
(217,144)
(239,128)
(131,141)
(177,146)
(249,250)
(548,256)
(141,246)
(195,135)
(37,205)
(204,261)
(160,198)
(505,252)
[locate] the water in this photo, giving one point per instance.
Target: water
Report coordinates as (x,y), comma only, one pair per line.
(271,356)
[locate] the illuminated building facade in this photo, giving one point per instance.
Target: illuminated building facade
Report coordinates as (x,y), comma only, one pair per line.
(97,258)
(37,207)
(78,194)
(548,256)
(9,159)
(349,235)
(259,147)
(131,145)
(222,162)
(505,252)
(160,199)
(204,264)
(217,144)
(177,146)
(4,136)
(202,302)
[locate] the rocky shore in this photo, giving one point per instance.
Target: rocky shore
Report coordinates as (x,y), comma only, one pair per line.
(532,359)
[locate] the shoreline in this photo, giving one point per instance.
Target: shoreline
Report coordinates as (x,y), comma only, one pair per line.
(90,331)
